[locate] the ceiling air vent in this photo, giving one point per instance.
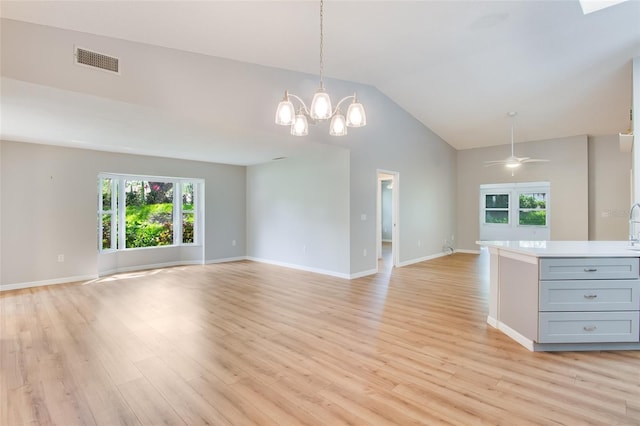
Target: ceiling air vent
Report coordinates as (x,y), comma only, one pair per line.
(97,60)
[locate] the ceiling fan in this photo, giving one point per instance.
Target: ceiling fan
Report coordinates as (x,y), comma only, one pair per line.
(512,161)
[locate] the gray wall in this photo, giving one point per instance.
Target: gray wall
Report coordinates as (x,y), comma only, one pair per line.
(567,171)
(49,201)
(298,211)
(396,141)
(609,189)
(393,140)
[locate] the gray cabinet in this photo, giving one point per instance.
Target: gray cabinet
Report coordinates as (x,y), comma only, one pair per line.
(589,300)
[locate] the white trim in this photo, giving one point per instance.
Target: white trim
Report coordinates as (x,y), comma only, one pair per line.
(466,251)
(492,321)
(395,215)
(423,259)
(527,343)
(149,266)
(153,178)
(513,230)
(118,182)
(55,281)
(226,260)
(300,267)
(363,274)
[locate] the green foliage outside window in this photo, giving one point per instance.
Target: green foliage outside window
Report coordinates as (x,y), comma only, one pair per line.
(496,217)
(149,225)
(148,213)
(533,209)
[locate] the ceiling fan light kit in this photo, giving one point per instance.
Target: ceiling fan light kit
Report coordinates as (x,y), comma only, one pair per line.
(512,162)
(321,108)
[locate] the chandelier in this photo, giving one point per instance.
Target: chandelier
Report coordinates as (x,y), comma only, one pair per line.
(320,110)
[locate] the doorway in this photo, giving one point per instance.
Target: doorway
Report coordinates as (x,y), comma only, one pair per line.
(387,220)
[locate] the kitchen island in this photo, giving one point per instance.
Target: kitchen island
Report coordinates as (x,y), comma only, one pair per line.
(565,295)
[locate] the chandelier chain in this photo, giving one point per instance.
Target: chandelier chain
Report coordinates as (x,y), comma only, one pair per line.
(321,107)
(321,43)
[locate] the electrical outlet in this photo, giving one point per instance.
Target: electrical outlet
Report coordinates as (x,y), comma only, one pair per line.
(233,243)
(419,243)
(304,248)
(364,252)
(61,258)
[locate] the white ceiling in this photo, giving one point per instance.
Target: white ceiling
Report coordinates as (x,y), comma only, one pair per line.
(457,66)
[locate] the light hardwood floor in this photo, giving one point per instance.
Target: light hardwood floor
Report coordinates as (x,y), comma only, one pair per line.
(249,343)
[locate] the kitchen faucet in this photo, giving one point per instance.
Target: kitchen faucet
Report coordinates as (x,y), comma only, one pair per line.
(633,238)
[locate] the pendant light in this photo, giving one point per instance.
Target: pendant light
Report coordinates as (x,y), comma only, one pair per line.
(321,108)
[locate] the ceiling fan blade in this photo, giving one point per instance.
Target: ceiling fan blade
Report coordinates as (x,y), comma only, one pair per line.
(534,160)
(494,163)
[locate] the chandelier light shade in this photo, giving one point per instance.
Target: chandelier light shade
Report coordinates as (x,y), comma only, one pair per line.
(321,107)
(300,126)
(285,113)
(338,126)
(356,116)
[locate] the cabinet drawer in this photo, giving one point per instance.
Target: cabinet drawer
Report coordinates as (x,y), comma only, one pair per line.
(590,295)
(588,327)
(589,268)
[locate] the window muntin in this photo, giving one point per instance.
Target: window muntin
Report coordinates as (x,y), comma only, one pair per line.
(107,219)
(188,212)
(532,209)
(154,211)
(496,210)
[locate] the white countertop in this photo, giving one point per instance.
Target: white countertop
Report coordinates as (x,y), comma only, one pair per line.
(566,248)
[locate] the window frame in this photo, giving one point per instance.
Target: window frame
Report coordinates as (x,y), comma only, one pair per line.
(112,211)
(119,210)
(520,209)
(507,209)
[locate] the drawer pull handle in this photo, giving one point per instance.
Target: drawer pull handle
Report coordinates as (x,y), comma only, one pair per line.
(589,328)
(591,269)
(590,296)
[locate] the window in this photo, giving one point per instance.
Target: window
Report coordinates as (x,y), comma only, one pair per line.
(518,211)
(496,208)
(148,213)
(137,212)
(532,209)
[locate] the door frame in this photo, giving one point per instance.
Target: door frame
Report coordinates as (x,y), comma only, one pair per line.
(395,217)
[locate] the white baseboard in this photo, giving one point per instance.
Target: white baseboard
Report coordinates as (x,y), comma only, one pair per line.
(422,259)
(64,280)
(527,343)
(492,321)
(363,274)
(467,251)
(149,266)
(300,267)
(226,259)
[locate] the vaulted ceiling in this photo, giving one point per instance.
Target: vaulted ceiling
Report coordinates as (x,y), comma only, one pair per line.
(456,66)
